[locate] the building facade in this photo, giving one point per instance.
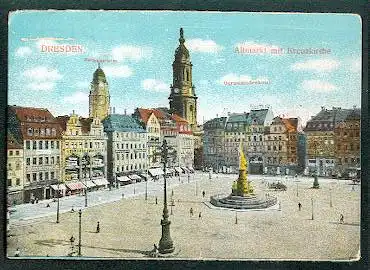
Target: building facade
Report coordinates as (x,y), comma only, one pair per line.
(99,98)
(148,120)
(321,151)
(183,100)
(347,144)
(15,174)
(127,146)
(258,119)
(84,152)
(214,143)
(41,136)
(185,143)
(235,135)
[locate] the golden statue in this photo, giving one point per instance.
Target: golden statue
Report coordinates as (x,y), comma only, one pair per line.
(243,186)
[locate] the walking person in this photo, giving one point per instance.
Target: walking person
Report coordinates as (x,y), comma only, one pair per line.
(191,212)
(299,206)
(17,253)
(98,227)
(203,193)
(200,215)
(341,219)
(156,200)
(188,178)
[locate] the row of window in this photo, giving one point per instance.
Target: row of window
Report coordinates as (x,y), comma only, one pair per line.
(17,166)
(41,176)
(132,146)
(80,144)
(131,167)
(131,135)
(41,132)
(11,152)
(43,160)
(17,182)
(42,145)
(132,156)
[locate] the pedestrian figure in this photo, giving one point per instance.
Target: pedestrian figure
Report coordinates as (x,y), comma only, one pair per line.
(204,193)
(353,187)
(37,200)
(341,220)
(155,250)
(279,205)
(72,210)
(200,215)
(299,206)
(72,239)
(191,212)
(188,178)
(172,193)
(17,253)
(48,205)
(98,227)
(156,200)
(123,195)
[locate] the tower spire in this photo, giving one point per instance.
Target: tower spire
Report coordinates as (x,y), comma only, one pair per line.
(98,64)
(181,39)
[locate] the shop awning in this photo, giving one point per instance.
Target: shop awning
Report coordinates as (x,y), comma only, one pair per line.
(178,169)
(135,177)
(185,170)
(190,169)
(61,187)
(100,181)
(124,179)
(156,172)
(75,186)
(89,184)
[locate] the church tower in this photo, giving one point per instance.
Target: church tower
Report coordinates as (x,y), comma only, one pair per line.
(183,100)
(99,99)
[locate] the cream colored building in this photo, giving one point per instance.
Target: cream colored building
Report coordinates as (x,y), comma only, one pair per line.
(127,146)
(14,170)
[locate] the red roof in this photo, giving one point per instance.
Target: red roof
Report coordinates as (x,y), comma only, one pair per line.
(36,118)
(290,124)
(144,114)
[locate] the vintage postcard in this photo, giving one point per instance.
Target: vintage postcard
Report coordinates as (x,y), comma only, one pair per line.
(184,135)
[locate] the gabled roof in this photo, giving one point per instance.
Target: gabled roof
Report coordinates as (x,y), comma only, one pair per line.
(122,123)
(238,117)
(290,124)
(257,116)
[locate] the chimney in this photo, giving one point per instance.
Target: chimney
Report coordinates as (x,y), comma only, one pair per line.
(114,110)
(125,112)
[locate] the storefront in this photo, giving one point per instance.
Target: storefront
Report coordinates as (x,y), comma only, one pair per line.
(74,188)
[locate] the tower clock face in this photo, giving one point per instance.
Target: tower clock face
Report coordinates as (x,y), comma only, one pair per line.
(176,90)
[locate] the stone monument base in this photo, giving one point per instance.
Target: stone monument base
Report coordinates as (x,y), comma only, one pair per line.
(248,201)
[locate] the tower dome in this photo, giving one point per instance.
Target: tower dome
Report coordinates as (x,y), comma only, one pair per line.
(99,75)
(181,50)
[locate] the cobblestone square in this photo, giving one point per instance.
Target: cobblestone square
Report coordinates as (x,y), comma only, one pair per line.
(130,226)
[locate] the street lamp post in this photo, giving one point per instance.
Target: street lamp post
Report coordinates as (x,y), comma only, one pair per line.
(79,232)
(312,207)
(316,181)
(165,243)
(297,189)
(331,202)
(58,202)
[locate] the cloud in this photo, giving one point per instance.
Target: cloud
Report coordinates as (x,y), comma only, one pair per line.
(130,52)
(42,73)
(318,65)
(77,98)
(202,45)
(155,85)
(234,79)
(317,86)
(41,86)
(355,65)
(118,71)
(23,51)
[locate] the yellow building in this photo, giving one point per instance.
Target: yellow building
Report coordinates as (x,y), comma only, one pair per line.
(14,170)
(84,152)
(99,99)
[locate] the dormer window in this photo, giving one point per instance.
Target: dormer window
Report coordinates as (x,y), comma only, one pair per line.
(53,132)
(48,132)
(42,132)
(29,132)
(36,131)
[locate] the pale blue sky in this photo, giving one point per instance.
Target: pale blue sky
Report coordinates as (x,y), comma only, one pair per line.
(143,43)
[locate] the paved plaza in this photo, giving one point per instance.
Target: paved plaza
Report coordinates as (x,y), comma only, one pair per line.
(130,225)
